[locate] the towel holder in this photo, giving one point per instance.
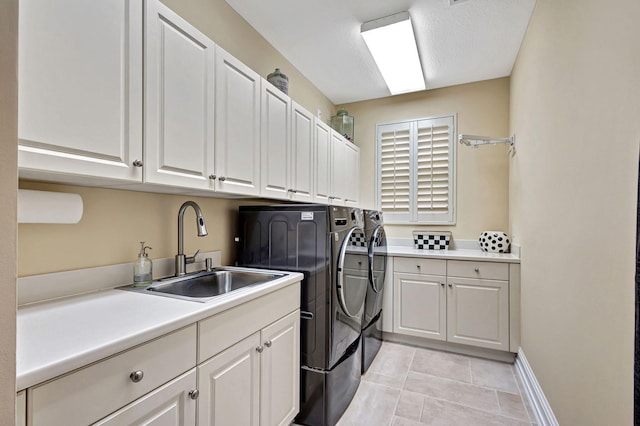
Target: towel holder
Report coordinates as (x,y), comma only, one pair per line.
(475,141)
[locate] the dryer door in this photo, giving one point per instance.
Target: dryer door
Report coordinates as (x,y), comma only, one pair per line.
(378,259)
(352,274)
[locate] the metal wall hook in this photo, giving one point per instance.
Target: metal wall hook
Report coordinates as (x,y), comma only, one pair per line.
(475,141)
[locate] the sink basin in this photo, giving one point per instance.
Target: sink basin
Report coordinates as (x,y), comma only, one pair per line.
(204,286)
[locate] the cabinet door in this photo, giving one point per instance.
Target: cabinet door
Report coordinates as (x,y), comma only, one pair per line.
(338,174)
(322,138)
(168,405)
(302,154)
(478,313)
(229,385)
(179,95)
(352,169)
(420,305)
(80,91)
(274,143)
(280,371)
(237,126)
(21,409)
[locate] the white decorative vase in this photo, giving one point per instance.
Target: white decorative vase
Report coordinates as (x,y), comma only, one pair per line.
(494,242)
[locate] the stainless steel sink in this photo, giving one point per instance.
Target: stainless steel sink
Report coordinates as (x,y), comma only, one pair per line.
(204,286)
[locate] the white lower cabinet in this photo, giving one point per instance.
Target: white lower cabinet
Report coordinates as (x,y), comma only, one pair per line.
(170,405)
(421,308)
(280,371)
(478,312)
(230,386)
(93,392)
(21,409)
(238,367)
(256,381)
(463,302)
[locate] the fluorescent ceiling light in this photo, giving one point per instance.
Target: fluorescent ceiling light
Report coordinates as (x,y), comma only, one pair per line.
(393,47)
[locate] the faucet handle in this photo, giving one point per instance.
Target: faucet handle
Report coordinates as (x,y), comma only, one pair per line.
(191,259)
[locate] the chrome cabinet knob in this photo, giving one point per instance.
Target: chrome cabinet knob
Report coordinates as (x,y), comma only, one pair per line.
(213,177)
(137,163)
(136,376)
(268,343)
(259,349)
(194,394)
(222,178)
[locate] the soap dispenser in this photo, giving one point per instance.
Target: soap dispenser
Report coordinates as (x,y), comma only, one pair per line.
(143,268)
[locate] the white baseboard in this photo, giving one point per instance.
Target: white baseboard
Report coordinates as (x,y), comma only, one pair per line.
(539,404)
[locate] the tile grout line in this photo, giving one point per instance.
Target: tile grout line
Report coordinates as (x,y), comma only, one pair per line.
(404,382)
(463,383)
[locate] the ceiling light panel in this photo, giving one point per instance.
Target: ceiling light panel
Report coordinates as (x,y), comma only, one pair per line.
(393,46)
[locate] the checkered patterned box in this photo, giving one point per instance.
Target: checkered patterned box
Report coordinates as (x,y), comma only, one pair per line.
(431,240)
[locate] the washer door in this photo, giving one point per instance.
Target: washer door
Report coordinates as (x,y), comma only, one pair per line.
(378,259)
(352,274)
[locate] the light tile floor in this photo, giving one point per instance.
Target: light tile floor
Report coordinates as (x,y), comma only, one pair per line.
(408,386)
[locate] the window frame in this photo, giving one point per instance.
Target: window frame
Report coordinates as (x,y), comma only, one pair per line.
(413,217)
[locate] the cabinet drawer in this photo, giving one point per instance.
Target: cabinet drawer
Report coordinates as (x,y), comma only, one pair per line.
(358,260)
(416,265)
(484,270)
(221,331)
(89,394)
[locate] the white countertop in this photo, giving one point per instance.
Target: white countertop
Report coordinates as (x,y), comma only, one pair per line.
(59,336)
(456,254)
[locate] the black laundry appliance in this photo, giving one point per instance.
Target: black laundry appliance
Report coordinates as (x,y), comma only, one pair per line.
(316,240)
(377,264)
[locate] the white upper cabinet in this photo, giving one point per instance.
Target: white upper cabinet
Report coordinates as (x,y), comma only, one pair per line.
(322,139)
(339,173)
(352,168)
(179,101)
(275,142)
(237,126)
(80,89)
(302,154)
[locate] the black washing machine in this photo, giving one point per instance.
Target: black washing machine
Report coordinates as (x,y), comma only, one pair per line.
(318,241)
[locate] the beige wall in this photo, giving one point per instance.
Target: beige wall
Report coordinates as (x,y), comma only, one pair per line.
(575,107)
(8,185)
(115,221)
(230,31)
(482,174)
(113,224)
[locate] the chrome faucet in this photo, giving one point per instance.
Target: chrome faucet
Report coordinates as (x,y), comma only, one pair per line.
(181,259)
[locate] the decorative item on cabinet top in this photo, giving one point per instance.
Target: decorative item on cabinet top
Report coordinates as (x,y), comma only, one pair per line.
(494,242)
(431,240)
(278,79)
(343,123)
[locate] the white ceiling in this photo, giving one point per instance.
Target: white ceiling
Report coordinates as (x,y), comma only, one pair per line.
(472,40)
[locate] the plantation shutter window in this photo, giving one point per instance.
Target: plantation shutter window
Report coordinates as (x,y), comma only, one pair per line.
(416,171)
(395,170)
